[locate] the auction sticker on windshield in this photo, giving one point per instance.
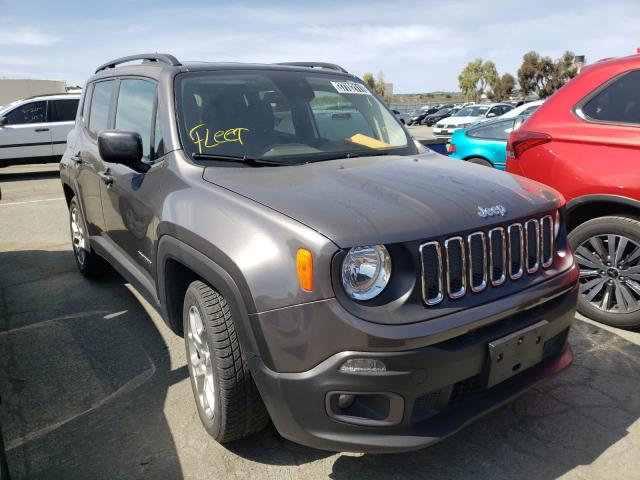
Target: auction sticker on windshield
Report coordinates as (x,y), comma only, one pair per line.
(350,87)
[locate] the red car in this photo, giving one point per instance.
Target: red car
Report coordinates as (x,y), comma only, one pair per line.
(585,142)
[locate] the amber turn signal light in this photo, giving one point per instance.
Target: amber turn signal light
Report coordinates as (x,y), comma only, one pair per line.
(304,264)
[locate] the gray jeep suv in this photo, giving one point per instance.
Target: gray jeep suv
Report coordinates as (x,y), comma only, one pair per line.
(326,272)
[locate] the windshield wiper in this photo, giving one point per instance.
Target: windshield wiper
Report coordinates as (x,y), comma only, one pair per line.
(235,158)
(347,156)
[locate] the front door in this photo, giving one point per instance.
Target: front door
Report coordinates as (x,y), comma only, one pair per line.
(26,133)
(129,219)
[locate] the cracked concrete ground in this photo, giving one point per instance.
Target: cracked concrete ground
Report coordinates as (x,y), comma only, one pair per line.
(94,386)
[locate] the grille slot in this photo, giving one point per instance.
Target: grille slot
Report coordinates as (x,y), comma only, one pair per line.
(456,267)
(497,256)
(477,261)
(516,250)
(480,259)
(532,243)
(546,238)
(431,259)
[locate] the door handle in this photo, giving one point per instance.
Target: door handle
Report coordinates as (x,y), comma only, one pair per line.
(76,159)
(42,129)
(107,179)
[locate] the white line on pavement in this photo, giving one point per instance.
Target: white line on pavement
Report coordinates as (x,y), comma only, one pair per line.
(31,201)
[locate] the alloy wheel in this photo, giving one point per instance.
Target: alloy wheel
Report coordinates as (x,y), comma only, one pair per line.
(77,236)
(200,362)
(610,273)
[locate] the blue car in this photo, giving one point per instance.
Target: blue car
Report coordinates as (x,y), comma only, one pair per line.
(484,143)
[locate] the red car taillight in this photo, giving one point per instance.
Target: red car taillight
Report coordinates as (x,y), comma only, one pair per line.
(521,141)
(451,148)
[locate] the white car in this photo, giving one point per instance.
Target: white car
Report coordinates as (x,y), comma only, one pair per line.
(34,130)
(468,116)
(524,109)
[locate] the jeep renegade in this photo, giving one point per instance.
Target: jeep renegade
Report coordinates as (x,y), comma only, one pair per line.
(326,271)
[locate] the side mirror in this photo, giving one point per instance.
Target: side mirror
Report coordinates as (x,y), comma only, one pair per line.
(491,115)
(116,146)
(3,121)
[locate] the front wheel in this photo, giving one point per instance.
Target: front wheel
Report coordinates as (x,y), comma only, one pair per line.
(607,250)
(227,398)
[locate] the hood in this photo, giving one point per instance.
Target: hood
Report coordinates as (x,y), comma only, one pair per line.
(387,199)
(460,120)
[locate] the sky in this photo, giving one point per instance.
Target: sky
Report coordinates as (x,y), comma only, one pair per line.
(421,46)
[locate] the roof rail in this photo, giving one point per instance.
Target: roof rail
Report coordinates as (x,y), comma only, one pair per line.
(321,65)
(151,57)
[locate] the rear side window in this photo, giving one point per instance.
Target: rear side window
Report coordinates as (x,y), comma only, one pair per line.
(100,103)
(618,102)
(32,112)
(495,131)
(63,110)
(134,112)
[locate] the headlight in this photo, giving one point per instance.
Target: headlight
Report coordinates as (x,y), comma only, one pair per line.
(366,271)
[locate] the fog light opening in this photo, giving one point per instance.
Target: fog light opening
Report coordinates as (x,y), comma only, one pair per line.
(345,400)
(363,365)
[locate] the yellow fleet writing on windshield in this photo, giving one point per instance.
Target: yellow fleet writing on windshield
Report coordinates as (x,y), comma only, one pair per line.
(201,135)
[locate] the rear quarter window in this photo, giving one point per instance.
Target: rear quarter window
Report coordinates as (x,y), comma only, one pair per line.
(495,131)
(616,102)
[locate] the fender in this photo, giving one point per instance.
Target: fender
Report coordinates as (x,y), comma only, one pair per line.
(170,248)
(598,198)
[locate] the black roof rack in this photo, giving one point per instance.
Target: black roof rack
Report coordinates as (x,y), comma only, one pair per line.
(151,57)
(322,65)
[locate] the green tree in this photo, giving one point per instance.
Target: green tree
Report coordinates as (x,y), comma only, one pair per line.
(543,76)
(501,87)
(475,78)
(377,85)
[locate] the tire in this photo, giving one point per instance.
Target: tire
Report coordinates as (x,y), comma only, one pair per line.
(217,367)
(480,161)
(90,264)
(600,273)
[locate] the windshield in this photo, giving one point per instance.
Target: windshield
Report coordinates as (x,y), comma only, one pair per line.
(473,111)
(284,116)
(443,111)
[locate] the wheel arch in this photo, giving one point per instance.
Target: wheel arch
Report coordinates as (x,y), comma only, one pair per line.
(588,207)
(180,264)
(472,156)
(68,192)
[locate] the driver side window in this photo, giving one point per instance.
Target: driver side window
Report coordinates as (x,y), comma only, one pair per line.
(134,111)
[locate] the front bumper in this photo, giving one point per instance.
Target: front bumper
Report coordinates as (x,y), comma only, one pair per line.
(426,393)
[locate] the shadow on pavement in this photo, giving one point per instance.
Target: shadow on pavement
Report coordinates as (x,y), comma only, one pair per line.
(85,375)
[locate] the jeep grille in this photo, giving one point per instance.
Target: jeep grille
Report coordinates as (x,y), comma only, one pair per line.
(456,265)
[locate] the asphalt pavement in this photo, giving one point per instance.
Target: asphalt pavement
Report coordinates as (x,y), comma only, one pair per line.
(94,386)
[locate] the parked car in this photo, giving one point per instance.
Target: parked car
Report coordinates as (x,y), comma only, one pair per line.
(584,141)
(439,115)
(469,115)
(484,143)
(404,117)
(525,109)
(34,130)
(324,271)
(419,116)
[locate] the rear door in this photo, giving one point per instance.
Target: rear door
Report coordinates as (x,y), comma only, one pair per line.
(96,116)
(62,116)
(26,133)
